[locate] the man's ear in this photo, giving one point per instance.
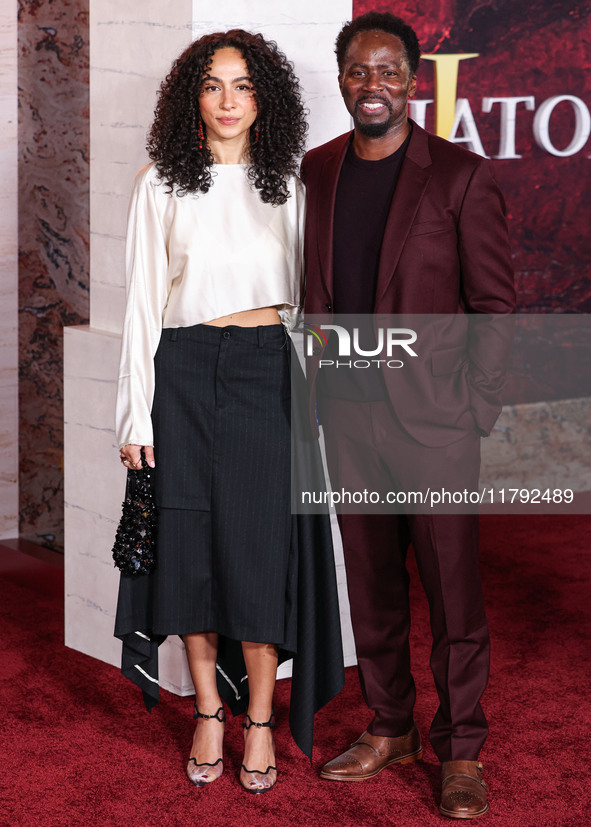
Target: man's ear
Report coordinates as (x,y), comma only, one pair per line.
(412,86)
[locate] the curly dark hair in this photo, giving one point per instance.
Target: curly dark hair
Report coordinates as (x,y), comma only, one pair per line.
(173,141)
(381,22)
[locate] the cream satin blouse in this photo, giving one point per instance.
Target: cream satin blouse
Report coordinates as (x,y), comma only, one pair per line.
(194,258)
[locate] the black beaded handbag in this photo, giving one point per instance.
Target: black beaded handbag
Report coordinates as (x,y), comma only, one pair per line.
(134,551)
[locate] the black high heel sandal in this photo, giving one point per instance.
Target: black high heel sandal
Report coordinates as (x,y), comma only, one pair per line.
(258,776)
(194,772)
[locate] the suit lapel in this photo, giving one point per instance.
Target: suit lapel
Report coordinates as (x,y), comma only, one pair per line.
(327,188)
(412,182)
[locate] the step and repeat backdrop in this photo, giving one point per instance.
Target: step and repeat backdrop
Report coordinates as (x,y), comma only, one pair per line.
(511,81)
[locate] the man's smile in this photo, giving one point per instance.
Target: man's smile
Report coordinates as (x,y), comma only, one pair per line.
(372,106)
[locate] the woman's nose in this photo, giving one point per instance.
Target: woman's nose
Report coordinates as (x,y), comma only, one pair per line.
(228,99)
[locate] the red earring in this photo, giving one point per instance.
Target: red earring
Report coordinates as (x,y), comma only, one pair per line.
(200,135)
(256,132)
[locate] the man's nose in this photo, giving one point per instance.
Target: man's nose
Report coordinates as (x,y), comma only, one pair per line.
(373,81)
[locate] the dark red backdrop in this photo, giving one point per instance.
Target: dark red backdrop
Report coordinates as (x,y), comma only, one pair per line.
(531,48)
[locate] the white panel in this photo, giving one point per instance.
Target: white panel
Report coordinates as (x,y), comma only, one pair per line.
(8,274)
(132,46)
(306,31)
(93,490)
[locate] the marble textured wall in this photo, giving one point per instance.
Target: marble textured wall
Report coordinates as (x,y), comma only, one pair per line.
(53,241)
(8,275)
(538,446)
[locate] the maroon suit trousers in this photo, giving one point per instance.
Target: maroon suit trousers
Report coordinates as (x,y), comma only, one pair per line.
(365,444)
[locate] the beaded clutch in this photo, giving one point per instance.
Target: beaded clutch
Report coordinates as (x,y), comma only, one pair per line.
(134,551)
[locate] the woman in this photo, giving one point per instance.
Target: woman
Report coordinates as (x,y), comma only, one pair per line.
(214,273)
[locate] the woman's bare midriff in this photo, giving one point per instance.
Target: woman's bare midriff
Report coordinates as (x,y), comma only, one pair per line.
(248,318)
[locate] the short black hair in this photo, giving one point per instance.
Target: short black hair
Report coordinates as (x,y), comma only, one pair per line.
(382,22)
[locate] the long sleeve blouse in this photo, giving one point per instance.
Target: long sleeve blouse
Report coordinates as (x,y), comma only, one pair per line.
(194,258)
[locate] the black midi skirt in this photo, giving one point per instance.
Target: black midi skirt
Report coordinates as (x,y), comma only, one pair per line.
(231,558)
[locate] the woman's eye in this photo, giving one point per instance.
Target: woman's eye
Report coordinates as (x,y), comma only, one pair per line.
(244,88)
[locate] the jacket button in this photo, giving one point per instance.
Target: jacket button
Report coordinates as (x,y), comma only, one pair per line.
(328,308)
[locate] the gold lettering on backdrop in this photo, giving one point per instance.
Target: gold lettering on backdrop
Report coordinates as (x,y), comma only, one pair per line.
(446,86)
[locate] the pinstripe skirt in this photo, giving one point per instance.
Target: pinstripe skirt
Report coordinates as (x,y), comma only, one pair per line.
(231,556)
(221,418)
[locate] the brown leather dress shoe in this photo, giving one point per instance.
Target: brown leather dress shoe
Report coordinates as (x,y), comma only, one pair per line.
(370,754)
(463,792)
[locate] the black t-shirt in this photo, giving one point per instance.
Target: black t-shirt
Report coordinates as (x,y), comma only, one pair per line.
(364,195)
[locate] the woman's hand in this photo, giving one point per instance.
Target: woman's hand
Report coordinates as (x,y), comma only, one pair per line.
(130,456)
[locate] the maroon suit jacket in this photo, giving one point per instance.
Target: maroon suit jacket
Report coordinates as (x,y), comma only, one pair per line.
(445,251)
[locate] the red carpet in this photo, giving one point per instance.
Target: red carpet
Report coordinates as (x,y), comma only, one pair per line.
(78,749)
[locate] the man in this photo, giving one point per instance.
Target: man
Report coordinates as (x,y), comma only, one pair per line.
(401,221)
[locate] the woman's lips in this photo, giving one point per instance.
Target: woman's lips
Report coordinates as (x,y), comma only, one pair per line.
(228,121)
